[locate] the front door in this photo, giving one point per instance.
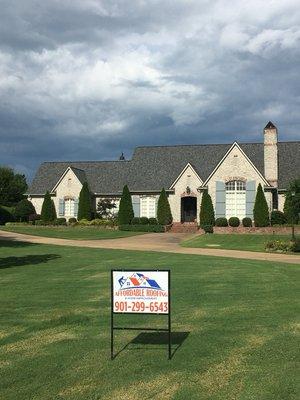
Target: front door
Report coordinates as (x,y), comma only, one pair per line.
(188,209)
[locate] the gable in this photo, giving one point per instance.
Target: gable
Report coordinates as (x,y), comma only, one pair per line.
(187,176)
(236,165)
(69,184)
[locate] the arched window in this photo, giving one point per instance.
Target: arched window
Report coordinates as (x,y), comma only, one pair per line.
(235,199)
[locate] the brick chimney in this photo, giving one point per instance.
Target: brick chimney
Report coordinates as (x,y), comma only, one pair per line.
(271,154)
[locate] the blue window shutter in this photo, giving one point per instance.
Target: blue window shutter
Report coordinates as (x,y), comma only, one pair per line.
(136,205)
(61,207)
(76,201)
(250,197)
(220,199)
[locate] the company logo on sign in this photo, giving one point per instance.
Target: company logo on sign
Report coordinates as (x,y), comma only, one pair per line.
(138,280)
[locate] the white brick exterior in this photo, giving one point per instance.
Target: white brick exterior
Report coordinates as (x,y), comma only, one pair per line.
(271,156)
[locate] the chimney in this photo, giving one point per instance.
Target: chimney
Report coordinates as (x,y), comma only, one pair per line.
(271,154)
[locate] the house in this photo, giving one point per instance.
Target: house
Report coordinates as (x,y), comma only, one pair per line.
(230,173)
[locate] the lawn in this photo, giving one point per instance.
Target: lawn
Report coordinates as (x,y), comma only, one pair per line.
(234,321)
(251,242)
(67,232)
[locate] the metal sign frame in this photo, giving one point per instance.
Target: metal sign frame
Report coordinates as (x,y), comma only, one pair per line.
(168,314)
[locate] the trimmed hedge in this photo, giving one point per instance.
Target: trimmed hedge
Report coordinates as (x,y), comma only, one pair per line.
(278,218)
(60,221)
(222,221)
(234,222)
(164,215)
(261,210)
(72,220)
(48,213)
(207,213)
(142,228)
(135,221)
(153,221)
(247,222)
(144,221)
(125,214)
(85,210)
(208,228)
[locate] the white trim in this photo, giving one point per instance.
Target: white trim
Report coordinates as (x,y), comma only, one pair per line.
(188,165)
(62,177)
(235,144)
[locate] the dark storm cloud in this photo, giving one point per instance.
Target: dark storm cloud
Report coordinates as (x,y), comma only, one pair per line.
(87,79)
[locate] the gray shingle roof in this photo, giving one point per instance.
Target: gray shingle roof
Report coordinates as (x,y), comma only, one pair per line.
(154,167)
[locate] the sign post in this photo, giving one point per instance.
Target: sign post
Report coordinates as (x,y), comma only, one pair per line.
(140,292)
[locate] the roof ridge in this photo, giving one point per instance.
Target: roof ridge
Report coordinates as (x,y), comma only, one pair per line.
(203,144)
(86,161)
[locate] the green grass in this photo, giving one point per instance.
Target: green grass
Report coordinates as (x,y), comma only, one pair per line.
(66,232)
(251,242)
(240,319)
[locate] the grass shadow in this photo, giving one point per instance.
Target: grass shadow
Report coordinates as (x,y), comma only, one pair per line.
(9,262)
(157,338)
(7,241)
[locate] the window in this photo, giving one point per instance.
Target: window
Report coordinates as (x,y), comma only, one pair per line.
(235,199)
(148,207)
(69,207)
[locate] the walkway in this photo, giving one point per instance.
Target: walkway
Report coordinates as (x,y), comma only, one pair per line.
(164,242)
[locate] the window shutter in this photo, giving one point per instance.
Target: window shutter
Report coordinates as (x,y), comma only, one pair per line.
(220,199)
(156,204)
(250,197)
(61,207)
(136,205)
(76,201)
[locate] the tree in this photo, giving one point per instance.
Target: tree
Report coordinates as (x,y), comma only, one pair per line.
(23,209)
(261,210)
(164,215)
(12,186)
(207,213)
(105,208)
(48,213)
(125,210)
(291,207)
(85,203)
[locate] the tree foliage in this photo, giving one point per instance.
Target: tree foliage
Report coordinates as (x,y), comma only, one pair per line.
(126,213)
(23,209)
(105,208)
(164,215)
(207,213)
(48,213)
(85,210)
(261,210)
(292,202)
(12,187)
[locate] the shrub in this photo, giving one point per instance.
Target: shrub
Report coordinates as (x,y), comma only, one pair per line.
(234,221)
(278,218)
(247,222)
(18,223)
(222,221)
(72,220)
(135,221)
(33,218)
(164,215)
(60,221)
(208,228)
(207,214)
(153,221)
(142,228)
(283,246)
(261,210)
(39,222)
(126,213)
(48,213)
(6,215)
(85,203)
(101,222)
(144,221)
(84,222)
(23,209)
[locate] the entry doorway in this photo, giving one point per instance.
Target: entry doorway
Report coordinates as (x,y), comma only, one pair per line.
(188,209)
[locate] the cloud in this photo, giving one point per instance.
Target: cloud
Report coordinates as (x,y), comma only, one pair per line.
(88,79)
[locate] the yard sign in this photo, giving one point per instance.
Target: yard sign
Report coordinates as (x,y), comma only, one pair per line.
(140,292)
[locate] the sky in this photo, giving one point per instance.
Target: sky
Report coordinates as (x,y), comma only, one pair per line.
(88,79)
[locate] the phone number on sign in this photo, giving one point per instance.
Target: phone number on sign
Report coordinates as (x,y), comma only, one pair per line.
(140,306)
